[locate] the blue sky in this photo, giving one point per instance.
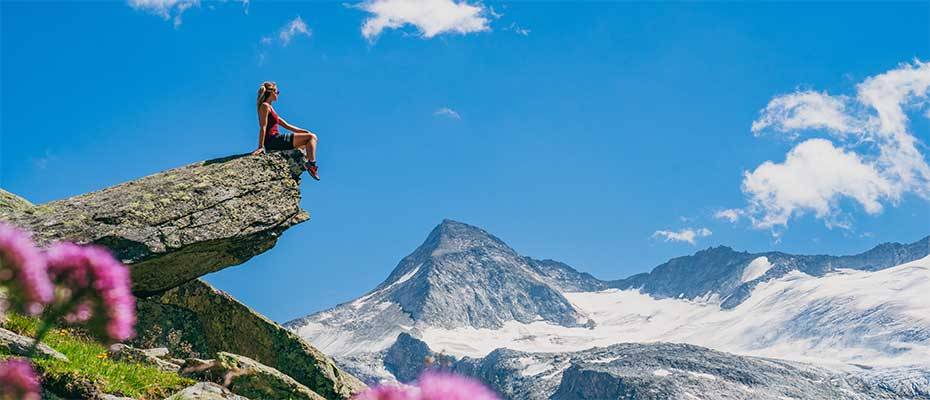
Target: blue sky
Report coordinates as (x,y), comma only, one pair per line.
(604,135)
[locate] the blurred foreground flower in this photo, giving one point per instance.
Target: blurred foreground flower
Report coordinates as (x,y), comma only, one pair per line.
(23,271)
(93,287)
(432,386)
(18,380)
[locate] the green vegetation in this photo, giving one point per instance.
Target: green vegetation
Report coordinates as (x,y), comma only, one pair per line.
(89,369)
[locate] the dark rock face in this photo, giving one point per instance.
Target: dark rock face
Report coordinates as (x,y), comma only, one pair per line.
(408,357)
(216,322)
(177,225)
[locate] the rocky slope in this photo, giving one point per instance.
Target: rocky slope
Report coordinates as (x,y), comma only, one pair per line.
(803,308)
(171,228)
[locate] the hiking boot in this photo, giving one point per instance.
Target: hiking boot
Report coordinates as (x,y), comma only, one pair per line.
(312,169)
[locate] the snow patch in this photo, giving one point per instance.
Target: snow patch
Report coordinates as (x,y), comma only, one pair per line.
(661,372)
(756,268)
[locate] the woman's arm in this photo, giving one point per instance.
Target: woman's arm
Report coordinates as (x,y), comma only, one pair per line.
(262,124)
(290,127)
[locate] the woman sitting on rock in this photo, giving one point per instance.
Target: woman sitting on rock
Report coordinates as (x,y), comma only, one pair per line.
(269,137)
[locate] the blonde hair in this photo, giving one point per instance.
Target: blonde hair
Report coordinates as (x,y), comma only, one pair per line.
(263,91)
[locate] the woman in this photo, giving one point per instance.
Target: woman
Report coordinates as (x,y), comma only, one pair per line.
(269,137)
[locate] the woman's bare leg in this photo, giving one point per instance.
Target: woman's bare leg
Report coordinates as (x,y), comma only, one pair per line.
(308,142)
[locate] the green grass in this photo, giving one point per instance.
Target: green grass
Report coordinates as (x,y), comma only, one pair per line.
(88,363)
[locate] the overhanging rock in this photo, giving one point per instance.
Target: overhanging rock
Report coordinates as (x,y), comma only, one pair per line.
(180,224)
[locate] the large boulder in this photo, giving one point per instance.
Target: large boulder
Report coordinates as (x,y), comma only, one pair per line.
(247,377)
(180,224)
(198,320)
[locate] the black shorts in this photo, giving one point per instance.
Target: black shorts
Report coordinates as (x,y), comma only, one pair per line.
(281,141)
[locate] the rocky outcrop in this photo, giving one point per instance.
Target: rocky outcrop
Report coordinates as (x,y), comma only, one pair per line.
(206,391)
(16,344)
(206,321)
(10,203)
(247,377)
(177,225)
(171,228)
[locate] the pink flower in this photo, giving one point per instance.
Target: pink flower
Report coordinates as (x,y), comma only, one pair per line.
(18,380)
(389,392)
(448,386)
(23,270)
(99,284)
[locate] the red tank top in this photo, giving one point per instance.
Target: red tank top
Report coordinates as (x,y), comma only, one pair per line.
(271,127)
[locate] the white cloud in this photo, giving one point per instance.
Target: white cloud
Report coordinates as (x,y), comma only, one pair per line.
(805,110)
(447,112)
(430,17)
(172,9)
(730,214)
(874,160)
(814,177)
(297,26)
(684,235)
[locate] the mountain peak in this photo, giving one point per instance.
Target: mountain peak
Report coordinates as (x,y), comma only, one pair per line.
(452,236)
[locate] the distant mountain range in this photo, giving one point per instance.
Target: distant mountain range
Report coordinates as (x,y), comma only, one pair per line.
(464,294)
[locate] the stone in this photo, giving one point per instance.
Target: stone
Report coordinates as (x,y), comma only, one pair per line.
(201,321)
(10,202)
(247,377)
(124,352)
(19,345)
(205,391)
(177,225)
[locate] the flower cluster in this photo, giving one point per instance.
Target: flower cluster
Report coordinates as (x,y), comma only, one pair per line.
(98,286)
(18,381)
(80,284)
(23,271)
(432,386)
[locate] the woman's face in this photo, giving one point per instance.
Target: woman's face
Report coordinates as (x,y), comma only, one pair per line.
(274,94)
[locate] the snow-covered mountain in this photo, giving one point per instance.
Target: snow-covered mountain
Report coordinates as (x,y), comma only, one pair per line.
(465,293)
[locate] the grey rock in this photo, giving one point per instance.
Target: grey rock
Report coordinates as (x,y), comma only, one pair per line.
(124,352)
(208,320)
(174,226)
(206,391)
(247,377)
(113,397)
(19,345)
(10,203)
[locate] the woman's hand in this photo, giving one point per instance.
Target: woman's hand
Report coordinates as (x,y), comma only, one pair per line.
(258,151)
